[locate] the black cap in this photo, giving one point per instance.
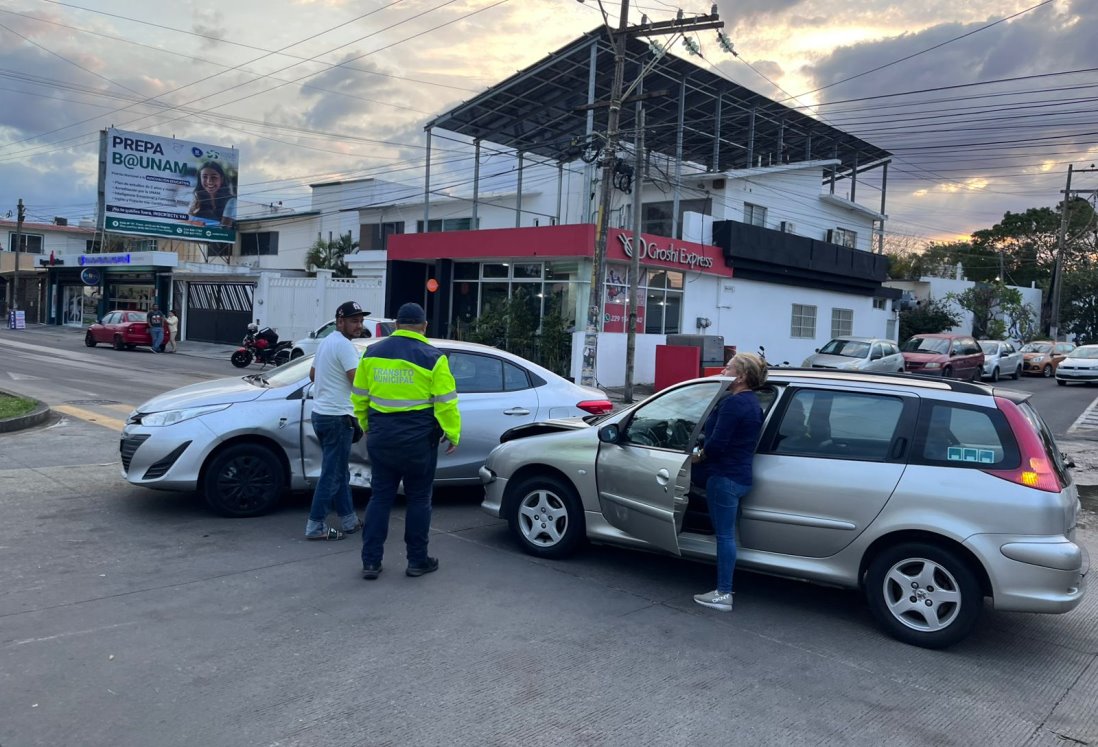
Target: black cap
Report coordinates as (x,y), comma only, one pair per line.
(411,313)
(350,308)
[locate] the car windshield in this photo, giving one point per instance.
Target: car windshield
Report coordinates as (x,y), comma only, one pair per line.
(926,345)
(1087,351)
(846,348)
(1037,347)
(989,348)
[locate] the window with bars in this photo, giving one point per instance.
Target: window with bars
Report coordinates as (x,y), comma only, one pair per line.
(842,322)
(754,215)
(843,237)
(804,321)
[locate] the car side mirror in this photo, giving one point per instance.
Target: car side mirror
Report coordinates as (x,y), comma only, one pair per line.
(817,350)
(610,434)
(312,335)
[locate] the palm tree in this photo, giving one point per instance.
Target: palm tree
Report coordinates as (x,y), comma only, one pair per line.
(330,255)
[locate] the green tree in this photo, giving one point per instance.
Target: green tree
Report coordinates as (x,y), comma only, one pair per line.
(513,325)
(928,317)
(1079,303)
(996,310)
(331,255)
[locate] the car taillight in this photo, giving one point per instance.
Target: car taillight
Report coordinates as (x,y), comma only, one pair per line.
(596,406)
(1035,470)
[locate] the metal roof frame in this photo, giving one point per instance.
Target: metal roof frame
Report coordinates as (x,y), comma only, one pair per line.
(543,110)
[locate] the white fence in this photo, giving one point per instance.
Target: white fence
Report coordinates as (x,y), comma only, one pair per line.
(296,306)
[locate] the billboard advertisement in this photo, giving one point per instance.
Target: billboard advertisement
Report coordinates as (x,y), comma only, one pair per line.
(168,188)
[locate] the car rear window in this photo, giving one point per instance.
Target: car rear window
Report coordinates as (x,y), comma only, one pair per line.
(926,345)
(955,435)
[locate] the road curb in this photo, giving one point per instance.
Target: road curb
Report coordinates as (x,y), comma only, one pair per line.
(40,414)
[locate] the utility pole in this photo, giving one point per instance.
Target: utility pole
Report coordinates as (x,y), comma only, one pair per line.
(634,263)
(1057,267)
(20,214)
(609,160)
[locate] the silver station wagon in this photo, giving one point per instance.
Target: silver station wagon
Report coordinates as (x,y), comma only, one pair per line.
(929,495)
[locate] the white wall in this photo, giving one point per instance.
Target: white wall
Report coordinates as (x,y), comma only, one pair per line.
(295,235)
(932,288)
(297,306)
(60,242)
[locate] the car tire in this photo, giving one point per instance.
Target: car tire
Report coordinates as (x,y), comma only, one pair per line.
(947,372)
(131,346)
(546,517)
(241,359)
(118,344)
(1018,373)
(1047,371)
(995,374)
(1061,382)
(89,339)
(297,353)
(923,595)
(243,480)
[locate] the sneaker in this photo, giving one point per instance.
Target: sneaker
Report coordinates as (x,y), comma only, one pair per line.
(353,529)
(371,571)
(715,600)
(330,534)
(430,566)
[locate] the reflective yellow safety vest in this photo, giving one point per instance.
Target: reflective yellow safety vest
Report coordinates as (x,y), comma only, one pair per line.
(404,373)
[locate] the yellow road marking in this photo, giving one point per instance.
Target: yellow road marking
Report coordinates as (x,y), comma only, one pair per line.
(122,407)
(91,417)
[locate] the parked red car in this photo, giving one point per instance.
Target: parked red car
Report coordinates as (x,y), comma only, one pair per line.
(947,355)
(122,329)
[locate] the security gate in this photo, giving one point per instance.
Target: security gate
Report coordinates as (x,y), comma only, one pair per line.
(219,312)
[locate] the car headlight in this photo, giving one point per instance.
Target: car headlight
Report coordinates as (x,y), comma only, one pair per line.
(171,417)
(1038,358)
(932,364)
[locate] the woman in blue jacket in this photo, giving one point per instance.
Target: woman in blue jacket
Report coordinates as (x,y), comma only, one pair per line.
(731,433)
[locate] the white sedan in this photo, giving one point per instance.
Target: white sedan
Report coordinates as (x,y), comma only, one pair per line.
(242,441)
(371,327)
(1081,365)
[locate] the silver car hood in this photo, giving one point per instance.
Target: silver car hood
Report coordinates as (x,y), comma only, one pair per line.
(555,425)
(833,361)
(217,392)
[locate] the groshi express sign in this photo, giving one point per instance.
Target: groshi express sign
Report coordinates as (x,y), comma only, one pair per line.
(164,187)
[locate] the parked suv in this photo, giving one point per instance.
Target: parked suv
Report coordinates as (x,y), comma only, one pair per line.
(928,495)
(1001,358)
(945,355)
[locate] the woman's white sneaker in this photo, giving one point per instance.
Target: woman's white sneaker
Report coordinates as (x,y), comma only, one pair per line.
(715,600)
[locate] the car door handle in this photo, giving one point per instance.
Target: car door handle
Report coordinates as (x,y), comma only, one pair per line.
(898,448)
(517,411)
(663,477)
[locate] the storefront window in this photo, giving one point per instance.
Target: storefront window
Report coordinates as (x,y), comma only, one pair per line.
(549,289)
(466,270)
(527,270)
(495,270)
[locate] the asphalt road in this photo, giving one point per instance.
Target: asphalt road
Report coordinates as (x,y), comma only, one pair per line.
(129,617)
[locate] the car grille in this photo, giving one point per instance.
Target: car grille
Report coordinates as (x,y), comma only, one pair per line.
(162,466)
(128,447)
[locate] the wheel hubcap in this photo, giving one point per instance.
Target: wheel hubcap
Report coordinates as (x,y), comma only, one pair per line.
(922,594)
(245,483)
(543,518)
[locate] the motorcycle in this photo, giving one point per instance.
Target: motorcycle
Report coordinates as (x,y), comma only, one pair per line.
(261,345)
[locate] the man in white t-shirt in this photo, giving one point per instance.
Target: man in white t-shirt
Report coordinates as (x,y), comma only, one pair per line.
(332,374)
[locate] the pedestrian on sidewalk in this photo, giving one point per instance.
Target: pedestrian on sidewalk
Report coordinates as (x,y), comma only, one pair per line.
(405,398)
(332,373)
(173,331)
(156,328)
(725,459)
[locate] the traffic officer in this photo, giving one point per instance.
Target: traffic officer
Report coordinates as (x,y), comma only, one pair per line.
(405,399)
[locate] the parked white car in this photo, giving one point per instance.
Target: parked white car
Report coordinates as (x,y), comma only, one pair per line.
(858,354)
(1001,358)
(1081,365)
(371,327)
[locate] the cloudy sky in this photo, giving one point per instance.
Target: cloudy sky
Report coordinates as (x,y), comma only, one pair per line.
(984,107)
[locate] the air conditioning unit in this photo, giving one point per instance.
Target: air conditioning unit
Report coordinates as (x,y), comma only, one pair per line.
(789,226)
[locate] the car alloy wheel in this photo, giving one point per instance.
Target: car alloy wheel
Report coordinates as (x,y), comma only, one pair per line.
(89,339)
(1018,373)
(995,374)
(243,480)
(118,344)
(923,595)
(546,517)
(1047,371)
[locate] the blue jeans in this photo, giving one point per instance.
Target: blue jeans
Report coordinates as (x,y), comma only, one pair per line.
(388,466)
(157,334)
(334,432)
(723,497)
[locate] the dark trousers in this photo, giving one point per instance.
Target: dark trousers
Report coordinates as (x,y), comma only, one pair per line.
(388,466)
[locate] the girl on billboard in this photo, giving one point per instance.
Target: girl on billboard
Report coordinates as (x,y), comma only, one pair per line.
(214,200)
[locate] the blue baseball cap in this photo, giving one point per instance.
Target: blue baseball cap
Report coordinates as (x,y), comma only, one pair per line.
(411,313)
